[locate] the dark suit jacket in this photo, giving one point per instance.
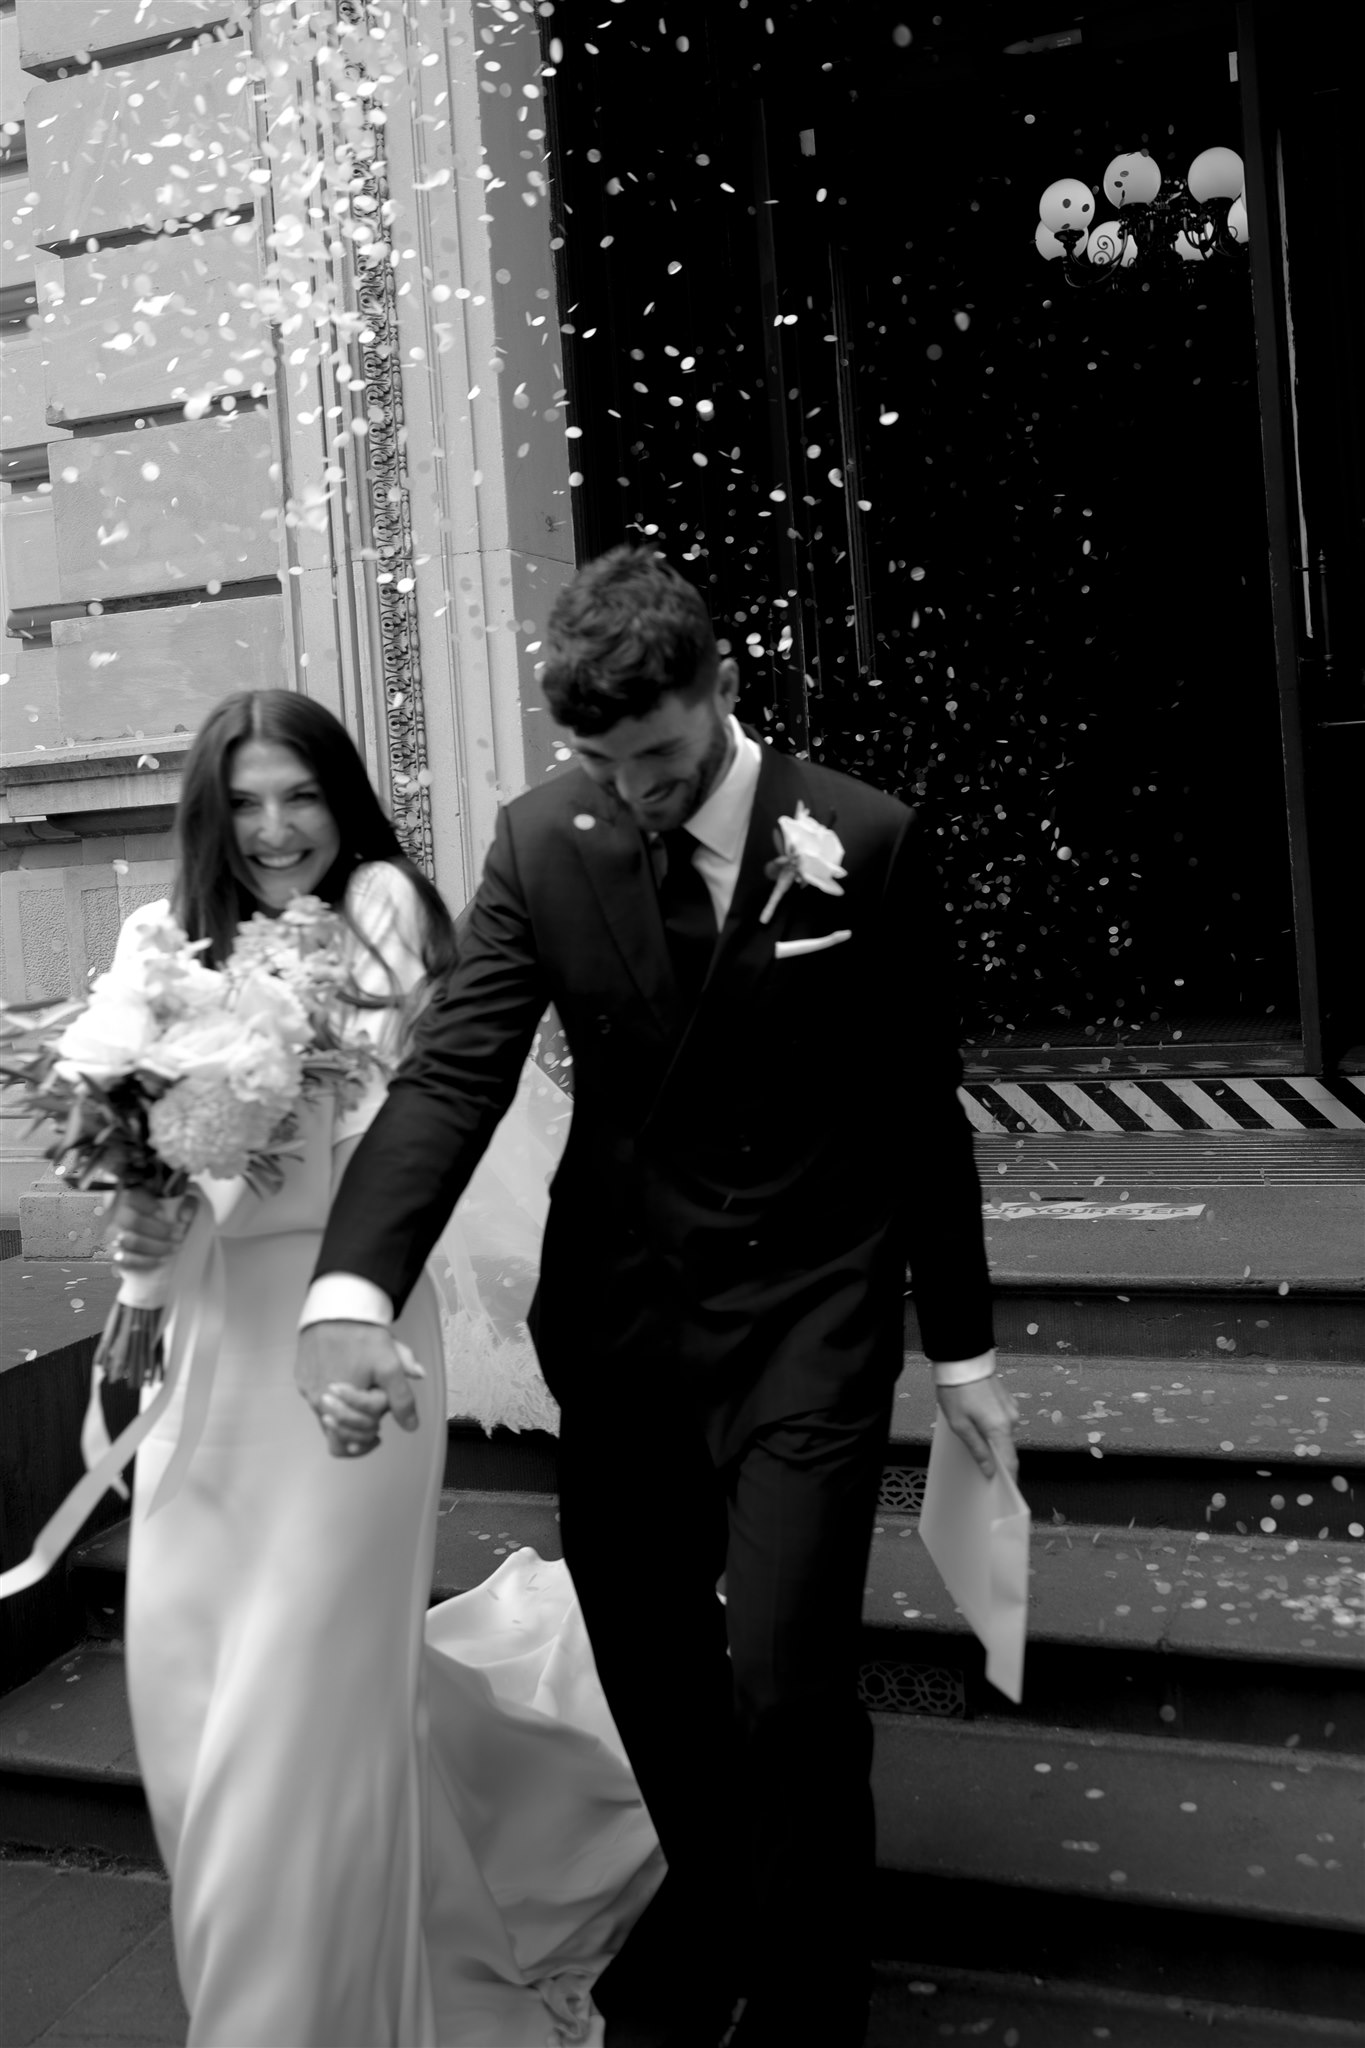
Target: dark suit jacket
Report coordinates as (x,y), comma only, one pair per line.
(742,1185)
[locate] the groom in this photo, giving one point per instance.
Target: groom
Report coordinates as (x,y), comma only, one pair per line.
(765,1129)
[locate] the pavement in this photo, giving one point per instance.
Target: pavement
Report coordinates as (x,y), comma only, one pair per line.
(86,1961)
(47,1304)
(86,1957)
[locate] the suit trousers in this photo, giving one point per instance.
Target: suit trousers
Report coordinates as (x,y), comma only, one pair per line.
(741,1719)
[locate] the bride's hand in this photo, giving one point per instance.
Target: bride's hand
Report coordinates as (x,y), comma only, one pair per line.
(351,1375)
(350,1418)
(144,1231)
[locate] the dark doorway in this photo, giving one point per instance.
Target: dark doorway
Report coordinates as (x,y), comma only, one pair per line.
(989,542)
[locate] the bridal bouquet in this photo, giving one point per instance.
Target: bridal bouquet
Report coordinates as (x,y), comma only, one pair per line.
(173,1068)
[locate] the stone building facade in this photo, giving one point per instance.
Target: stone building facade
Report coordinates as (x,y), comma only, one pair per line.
(198,497)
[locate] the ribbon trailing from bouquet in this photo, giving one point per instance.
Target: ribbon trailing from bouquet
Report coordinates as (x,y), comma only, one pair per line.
(199,1296)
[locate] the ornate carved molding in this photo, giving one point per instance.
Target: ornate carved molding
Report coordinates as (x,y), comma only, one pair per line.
(384,501)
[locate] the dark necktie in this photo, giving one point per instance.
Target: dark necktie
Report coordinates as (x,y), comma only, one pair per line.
(688,915)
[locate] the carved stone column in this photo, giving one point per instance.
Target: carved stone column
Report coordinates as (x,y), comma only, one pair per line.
(428,460)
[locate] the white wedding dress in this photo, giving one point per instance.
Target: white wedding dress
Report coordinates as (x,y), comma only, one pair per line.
(386,1827)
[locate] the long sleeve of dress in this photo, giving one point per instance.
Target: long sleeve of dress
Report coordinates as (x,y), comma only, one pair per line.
(385,948)
(387,963)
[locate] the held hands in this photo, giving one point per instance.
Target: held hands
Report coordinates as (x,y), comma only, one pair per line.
(982,1413)
(351,1375)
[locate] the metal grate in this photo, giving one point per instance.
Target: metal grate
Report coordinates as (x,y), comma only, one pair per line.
(901,1491)
(888,1688)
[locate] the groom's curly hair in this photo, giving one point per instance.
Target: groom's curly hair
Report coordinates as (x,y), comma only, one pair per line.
(625,632)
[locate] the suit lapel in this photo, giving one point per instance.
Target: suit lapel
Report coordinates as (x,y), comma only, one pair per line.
(613,851)
(744,947)
(781,786)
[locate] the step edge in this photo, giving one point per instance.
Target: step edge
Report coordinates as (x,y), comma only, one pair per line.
(953,1629)
(1005,1733)
(1079,1991)
(497,1493)
(1241,1454)
(14,1764)
(1315,1287)
(1246,1651)
(1170,1900)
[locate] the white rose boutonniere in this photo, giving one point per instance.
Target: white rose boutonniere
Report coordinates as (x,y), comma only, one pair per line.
(807,852)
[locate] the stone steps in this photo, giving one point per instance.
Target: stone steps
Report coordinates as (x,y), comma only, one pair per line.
(1194,1633)
(1275,1448)
(912,2004)
(1182,1825)
(1122,1659)
(1211,1827)
(1193,1449)
(88,1958)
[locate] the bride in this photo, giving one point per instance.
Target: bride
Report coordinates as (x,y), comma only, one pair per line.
(385,1827)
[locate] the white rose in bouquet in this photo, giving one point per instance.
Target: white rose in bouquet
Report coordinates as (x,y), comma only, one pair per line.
(110,1037)
(156,962)
(264,1071)
(204,1046)
(203,1126)
(264,1000)
(174,1068)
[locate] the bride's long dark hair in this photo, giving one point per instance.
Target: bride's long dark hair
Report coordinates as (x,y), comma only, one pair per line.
(212,891)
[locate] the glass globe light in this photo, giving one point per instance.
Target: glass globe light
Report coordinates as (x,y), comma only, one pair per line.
(1192,249)
(1238,225)
(1049,248)
(1132,179)
(1108,243)
(1067,204)
(1216,174)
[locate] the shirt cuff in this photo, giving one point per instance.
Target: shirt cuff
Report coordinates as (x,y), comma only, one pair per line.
(960,1372)
(345,1298)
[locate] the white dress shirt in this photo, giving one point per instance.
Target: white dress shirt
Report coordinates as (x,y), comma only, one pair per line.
(720,827)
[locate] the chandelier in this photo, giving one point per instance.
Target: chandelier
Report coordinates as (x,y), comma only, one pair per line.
(1154,227)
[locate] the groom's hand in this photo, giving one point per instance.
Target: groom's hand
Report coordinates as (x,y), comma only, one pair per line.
(982,1413)
(361,1358)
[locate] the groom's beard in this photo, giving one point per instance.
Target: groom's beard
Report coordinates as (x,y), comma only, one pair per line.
(711,767)
(690,792)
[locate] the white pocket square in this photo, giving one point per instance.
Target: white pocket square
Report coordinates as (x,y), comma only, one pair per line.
(791,949)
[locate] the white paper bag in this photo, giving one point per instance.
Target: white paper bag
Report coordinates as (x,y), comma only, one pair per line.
(977,1532)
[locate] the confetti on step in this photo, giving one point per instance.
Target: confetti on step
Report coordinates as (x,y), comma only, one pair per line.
(1091,1212)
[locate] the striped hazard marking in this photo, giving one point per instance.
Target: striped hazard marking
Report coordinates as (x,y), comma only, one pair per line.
(1273,1102)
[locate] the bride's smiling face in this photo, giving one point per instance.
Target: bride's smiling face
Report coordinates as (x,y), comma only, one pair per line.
(285,832)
